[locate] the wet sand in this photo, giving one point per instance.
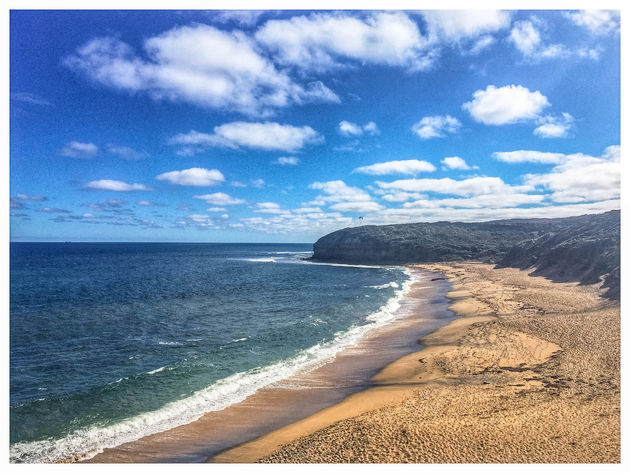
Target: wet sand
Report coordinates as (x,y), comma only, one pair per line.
(530,373)
(423,311)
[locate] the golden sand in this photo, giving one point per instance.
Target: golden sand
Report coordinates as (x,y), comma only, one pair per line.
(529,373)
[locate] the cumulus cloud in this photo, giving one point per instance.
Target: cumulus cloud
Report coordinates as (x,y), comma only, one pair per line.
(53,210)
(347,128)
(268,207)
(436,126)
(465,187)
(287,161)
(359,206)
(202,221)
(36,198)
(527,38)
(311,221)
(582,178)
(455,162)
(505,105)
(409,166)
(343,198)
(118,186)
(240,17)
(467,214)
(269,136)
(76,149)
(598,22)
(323,41)
(219,199)
(147,203)
(455,25)
(108,205)
(338,191)
(554,127)
(483,201)
(527,156)
(199,65)
(126,152)
(193,177)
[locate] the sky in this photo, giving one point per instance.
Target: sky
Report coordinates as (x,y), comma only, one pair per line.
(282,126)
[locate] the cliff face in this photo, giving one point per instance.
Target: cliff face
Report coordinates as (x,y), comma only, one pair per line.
(582,248)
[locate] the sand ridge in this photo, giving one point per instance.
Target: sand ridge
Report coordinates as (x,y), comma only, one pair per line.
(529,373)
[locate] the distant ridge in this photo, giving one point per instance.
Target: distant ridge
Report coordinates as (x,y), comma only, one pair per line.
(584,248)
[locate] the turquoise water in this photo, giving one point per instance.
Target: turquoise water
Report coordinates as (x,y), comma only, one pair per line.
(111,342)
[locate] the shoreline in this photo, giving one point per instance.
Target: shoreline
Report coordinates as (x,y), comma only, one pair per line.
(528,372)
(300,395)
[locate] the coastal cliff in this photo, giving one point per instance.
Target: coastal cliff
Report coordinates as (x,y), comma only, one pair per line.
(583,248)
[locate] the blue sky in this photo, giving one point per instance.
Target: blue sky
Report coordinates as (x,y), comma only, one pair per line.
(260,126)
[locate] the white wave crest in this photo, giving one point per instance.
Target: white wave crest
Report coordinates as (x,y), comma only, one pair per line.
(385,286)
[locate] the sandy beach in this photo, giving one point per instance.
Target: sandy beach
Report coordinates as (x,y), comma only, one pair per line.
(529,373)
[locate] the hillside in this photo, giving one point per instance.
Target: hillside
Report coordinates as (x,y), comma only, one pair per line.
(582,248)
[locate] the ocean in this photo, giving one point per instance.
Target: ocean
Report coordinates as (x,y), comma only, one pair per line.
(110,342)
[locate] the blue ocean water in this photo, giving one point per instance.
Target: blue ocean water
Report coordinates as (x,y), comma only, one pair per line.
(113,341)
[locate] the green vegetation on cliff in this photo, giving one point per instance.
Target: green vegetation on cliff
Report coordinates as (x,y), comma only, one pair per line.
(584,248)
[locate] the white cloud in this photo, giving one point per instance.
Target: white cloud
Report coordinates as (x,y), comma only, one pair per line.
(436,126)
(287,161)
(371,128)
(347,128)
(53,210)
(257,183)
(466,187)
(482,43)
(268,207)
(268,136)
(196,64)
(126,152)
(527,156)
(202,221)
(505,105)
(581,178)
(339,191)
(76,149)
(118,186)
(310,221)
(147,203)
(37,198)
(455,25)
(525,37)
(455,162)
(409,166)
(322,41)
(400,196)
(27,97)
(240,17)
(464,214)
(193,177)
(554,127)
(484,201)
(216,209)
(359,206)
(219,199)
(599,22)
